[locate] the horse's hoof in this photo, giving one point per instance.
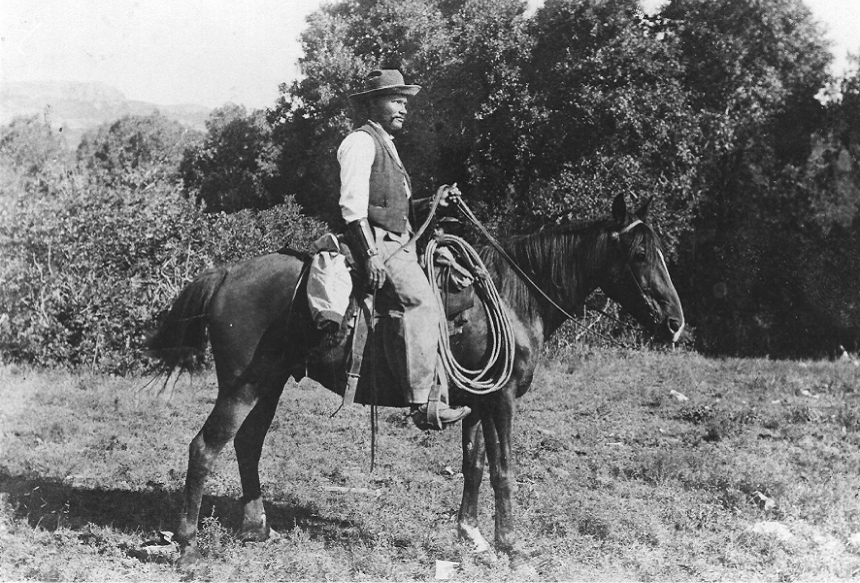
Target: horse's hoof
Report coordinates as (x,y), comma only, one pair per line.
(480,547)
(473,536)
(523,570)
(259,535)
(254,535)
(188,559)
(520,558)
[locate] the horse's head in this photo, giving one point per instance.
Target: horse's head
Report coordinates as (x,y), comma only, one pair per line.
(637,276)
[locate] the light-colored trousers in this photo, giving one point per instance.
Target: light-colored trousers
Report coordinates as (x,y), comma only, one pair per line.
(409,320)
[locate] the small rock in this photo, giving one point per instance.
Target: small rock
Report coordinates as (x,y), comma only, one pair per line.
(678,396)
(444,570)
(763,501)
(560,472)
(854,540)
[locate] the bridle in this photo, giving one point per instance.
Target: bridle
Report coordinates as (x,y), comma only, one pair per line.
(629,270)
(467,212)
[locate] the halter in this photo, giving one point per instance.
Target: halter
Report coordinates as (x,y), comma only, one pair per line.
(642,293)
(630,226)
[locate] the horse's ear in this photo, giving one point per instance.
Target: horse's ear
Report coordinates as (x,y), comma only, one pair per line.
(619,209)
(642,213)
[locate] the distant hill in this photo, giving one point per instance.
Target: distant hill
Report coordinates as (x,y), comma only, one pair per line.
(73,107)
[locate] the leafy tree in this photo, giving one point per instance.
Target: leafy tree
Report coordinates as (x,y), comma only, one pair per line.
(832,176)
(615,115)
(33,159)
(234,167)
(28,145)
(136,151)
(752,70)
(456,49)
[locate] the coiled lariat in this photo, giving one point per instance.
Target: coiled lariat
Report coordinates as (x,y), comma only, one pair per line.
(498,368)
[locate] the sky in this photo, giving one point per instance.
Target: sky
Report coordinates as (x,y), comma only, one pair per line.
(209,52)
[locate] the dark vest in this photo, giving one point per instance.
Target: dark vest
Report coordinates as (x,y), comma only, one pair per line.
(389,206)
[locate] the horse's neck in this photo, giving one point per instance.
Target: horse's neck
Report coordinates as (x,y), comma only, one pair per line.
(557,264)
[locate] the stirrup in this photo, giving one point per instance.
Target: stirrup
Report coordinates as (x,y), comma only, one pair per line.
(428,416)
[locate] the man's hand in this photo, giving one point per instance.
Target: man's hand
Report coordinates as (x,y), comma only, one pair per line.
(448,192)
(375,268)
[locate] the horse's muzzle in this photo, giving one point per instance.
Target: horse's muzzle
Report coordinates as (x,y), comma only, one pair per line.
(673,327)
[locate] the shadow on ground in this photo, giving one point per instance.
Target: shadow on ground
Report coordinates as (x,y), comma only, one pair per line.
(50,504)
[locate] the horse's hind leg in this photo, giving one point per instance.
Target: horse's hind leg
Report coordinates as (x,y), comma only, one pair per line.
(249,445)
(474,454)
(227,416)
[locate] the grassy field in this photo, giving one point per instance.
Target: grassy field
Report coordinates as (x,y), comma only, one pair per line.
(753,477)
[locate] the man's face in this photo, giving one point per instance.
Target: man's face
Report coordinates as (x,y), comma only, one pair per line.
(389,111)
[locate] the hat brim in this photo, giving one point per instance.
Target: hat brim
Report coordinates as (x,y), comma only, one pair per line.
(408,90)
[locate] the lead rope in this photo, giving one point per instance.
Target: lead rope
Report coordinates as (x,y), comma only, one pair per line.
(501,331)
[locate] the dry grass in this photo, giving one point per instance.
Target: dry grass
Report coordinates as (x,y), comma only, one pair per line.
(617,479)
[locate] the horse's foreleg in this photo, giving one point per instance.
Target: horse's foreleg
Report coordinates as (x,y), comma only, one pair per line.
(249,446)
(497,420)
(222,424)
(474,454)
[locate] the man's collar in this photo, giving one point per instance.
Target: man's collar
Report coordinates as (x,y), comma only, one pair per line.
(378,126)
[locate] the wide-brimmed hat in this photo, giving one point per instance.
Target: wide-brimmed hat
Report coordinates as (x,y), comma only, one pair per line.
(385,82)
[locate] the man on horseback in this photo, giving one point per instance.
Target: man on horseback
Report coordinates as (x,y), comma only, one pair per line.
(377,206)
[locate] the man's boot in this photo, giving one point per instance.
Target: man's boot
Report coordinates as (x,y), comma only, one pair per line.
(436,415)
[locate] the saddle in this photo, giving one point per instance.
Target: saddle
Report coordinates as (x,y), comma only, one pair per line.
(351,364)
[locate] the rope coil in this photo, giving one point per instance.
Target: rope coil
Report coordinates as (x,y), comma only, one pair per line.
(499,366)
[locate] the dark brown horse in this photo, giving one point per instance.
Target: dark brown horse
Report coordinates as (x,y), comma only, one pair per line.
(260,337)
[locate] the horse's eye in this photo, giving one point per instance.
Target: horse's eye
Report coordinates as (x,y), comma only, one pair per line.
(639,256)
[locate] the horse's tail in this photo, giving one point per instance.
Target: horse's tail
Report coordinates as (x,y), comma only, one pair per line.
(180,340)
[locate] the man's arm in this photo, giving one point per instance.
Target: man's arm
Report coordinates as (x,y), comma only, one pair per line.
(356,155)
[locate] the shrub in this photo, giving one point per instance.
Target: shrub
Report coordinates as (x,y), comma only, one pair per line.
(88,268)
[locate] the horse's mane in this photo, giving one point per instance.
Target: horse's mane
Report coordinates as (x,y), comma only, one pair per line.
(558,258)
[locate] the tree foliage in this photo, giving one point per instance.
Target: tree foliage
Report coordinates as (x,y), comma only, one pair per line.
(234,167)
(87,270)
(708,107)
(136,150)
(712,108)
(102,246)
(28,145)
